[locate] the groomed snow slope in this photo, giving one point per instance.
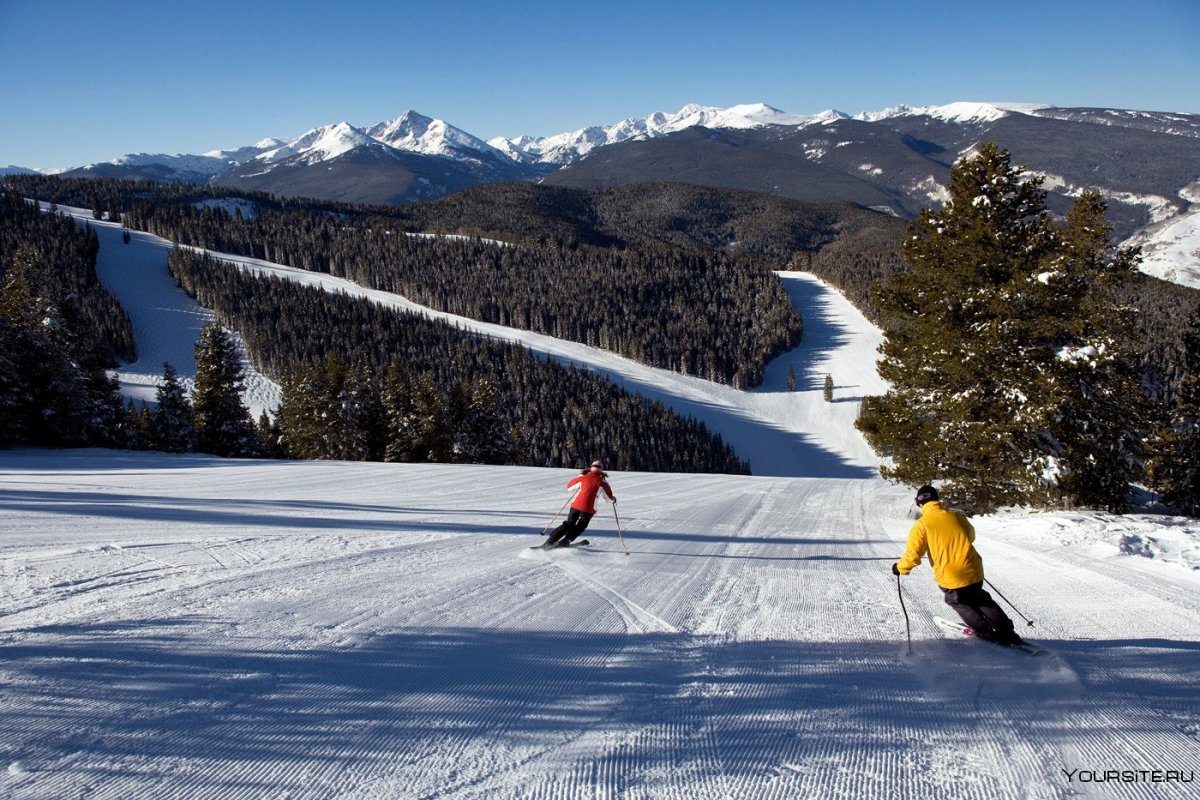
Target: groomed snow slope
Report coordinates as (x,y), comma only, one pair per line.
(189,627)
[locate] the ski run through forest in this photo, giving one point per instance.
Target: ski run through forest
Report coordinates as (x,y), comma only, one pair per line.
(182,626)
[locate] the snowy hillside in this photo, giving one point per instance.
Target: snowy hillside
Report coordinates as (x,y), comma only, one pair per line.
(1171,248)
(184,626)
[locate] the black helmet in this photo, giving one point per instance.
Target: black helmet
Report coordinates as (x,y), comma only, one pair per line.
(926,494)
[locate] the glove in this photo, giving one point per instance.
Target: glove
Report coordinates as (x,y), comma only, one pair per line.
(896,568)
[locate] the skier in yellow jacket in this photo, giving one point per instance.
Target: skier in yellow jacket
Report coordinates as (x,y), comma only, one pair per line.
(948,537)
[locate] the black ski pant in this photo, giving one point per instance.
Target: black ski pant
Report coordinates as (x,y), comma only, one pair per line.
(575,524)
(979,610)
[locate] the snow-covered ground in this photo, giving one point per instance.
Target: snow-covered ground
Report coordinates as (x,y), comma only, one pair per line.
(1171,249)
(185,626)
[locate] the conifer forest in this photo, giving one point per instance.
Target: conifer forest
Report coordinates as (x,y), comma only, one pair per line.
(1030,362)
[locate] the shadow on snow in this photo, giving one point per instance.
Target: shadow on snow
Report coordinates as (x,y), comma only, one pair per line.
(420,704)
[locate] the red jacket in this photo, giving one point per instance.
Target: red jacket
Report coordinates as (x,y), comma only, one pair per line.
(590,485)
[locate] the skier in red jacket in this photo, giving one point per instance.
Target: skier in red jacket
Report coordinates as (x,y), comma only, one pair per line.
(583,507)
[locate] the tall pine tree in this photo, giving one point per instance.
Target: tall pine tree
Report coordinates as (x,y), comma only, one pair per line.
(996,350)
(1175,463)
(173,423)
(401,434)
(223,424)
(55,396)
(14,393)
(486,439)
(434,439)
(365,415)
(1095,436)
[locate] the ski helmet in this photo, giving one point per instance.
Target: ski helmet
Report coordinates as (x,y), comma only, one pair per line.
(926,494)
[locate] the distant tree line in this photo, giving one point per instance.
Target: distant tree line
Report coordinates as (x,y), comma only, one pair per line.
(68,257)
(769,230)
(59,330)
(668,274)
(363,380)
(704,314)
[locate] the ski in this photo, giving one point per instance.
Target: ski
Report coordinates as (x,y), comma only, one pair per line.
(956,627)
(548,546)
(965,630)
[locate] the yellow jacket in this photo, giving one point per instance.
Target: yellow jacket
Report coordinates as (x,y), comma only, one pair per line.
(947,537)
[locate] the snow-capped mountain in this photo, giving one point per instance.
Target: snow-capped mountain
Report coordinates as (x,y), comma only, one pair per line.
(434,137)
(415,133)
(1154,121)
(565,148)
(178,167)
(896,160)
(155,167)
(953,112)
(319,144)
(409,158)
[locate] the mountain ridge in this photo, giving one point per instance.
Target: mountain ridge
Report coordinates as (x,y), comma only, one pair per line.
(416,132)
(895,160)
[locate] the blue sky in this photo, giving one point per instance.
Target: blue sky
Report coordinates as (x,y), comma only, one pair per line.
(89,81)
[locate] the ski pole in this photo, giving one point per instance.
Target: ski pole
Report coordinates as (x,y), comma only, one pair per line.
(556,513)
(907,626)
(620,535)
(1028,621)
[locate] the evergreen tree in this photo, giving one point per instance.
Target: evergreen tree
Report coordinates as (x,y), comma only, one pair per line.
(433,437)
(52,401)
(987,335)
(486,437)
(173,424)
(828,391)
(301,413)
(14,392)
(223,424)
(1174,467)
(25,298)
(145,424)
(366,416)
(1095,436)
(270,436)
(401,433)
(457,410)
(105,418)
(337,438)
(333,412)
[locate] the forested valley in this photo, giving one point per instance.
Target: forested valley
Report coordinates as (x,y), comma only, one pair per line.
(672,275)
(669,301)
(403,388)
